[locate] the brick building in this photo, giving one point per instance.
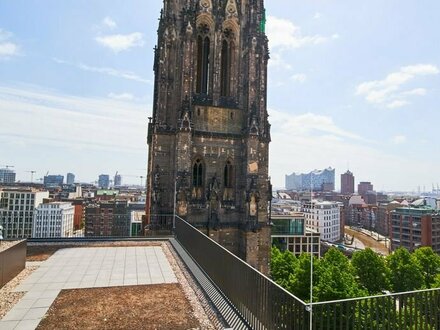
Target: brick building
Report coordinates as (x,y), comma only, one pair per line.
(347,183)
(412,227)
(109,219)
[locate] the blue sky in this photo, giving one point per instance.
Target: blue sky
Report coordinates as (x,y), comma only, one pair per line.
(350,84)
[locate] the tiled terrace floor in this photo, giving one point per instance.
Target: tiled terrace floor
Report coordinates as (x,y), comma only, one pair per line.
(85,268)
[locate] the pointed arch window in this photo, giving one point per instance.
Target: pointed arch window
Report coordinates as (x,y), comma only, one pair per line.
(198,174)
(203,64)
(228,175)
(226,59)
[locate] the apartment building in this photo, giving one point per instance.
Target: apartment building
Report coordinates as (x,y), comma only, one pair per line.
(53,220)
(325,218)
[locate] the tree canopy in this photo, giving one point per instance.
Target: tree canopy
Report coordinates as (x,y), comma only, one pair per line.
(429,263)
(371,271)
(336,277)
(405,273)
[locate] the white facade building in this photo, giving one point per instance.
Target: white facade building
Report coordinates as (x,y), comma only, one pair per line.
(53,220)
(324,218)
(17,208)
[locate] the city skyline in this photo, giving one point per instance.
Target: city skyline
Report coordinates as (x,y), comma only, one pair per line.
(75,96)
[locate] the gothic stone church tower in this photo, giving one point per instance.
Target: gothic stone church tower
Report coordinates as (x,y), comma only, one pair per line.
(209,134)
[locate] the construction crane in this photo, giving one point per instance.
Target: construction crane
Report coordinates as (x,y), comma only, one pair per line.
(32,175)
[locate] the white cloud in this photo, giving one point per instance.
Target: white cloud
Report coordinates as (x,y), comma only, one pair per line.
(421,69)
(416,91)
(317,15)
(121,42)
(397,104)
(299,77)
(105,70)
(387,89)
(7,47)
(5,35)
(284,34)
(305,142)
(309,124)
(109,22)
(277,61)
(399,139)
(122,96)
(44,117)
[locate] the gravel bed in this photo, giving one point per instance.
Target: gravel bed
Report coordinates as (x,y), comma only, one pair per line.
(8,298)
(203,309)
(4,245)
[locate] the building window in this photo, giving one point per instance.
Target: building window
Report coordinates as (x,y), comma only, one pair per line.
(226,67)
(203,64)
(198,173)
(228,176)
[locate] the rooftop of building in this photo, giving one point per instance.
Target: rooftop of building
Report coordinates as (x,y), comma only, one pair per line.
(73,278)
(132,278)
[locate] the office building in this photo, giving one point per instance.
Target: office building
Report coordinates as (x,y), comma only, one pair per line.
(363,188)
(53,220)
(104,181)
(347,183)
(7,176)
(117,180)
(53,181)
(17,208)
(70,178)
(324,218)
(290,233)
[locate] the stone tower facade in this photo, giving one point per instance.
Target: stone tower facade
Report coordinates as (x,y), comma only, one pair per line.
(209,134)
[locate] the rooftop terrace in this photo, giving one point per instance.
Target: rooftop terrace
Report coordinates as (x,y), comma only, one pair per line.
(218,290)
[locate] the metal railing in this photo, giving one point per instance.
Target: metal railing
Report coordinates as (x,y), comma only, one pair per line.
(265,305)
(259,300)
(406,310)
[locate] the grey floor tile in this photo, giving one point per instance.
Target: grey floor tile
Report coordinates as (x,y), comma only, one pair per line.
(8,325)
(15,314)
(43,302)
(35,313)
(25,303)
(23,287)
(50,294)
(27,324)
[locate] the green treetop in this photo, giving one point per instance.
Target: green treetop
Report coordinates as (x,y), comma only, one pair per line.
(371,271)
(405,272)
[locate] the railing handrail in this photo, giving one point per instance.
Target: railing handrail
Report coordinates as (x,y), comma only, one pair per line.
(374,297)
(247,265)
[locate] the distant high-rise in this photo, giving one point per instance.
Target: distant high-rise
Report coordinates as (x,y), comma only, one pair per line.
(51,181)
(70,178)
(7,175)
(318,180)
(104,181)
(364,187)
(347,183)
(117,180)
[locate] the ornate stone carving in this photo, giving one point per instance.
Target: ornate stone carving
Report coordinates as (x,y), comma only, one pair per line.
(231,9)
